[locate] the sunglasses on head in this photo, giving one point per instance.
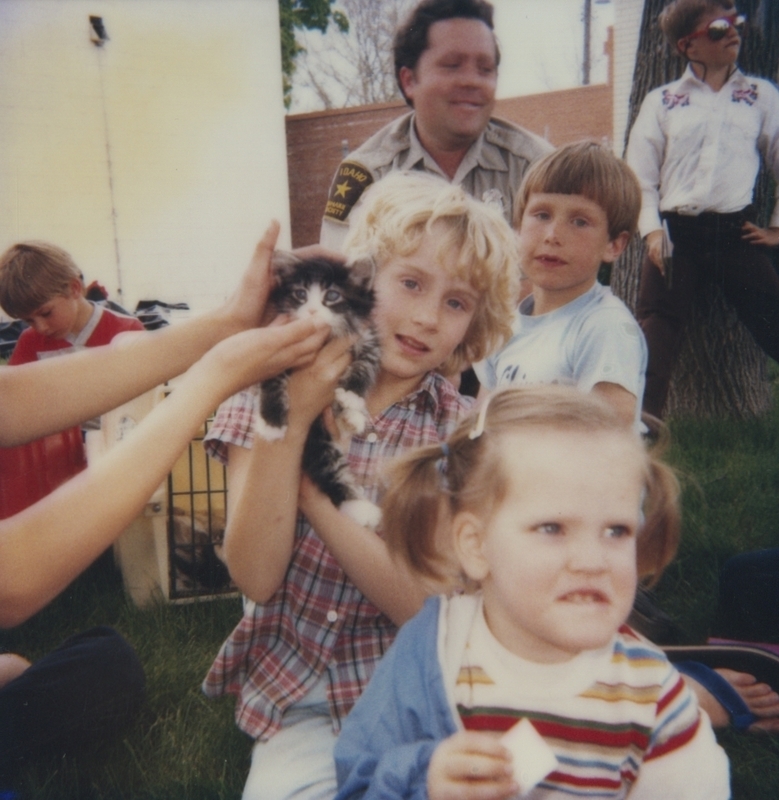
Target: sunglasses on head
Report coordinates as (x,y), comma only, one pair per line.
(718,28)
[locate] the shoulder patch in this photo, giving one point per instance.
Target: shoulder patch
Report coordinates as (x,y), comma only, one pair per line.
(351,180)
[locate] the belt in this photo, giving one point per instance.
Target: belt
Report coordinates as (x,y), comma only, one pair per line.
(711,217)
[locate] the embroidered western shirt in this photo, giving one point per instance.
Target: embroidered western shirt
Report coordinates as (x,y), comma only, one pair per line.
(696,150)
(318,622)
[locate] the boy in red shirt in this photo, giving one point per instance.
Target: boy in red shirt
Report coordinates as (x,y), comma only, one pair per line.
(41,285)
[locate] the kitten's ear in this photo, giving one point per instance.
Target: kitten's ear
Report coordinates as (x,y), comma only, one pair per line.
(283,264)
(363,271)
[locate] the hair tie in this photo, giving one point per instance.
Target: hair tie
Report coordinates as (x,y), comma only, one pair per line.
(442,463)
(478,429)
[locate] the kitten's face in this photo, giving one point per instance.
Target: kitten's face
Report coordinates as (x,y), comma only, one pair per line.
(326,290)
(319,301)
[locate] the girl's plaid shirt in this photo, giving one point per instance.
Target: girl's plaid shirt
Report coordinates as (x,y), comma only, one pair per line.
(318,621)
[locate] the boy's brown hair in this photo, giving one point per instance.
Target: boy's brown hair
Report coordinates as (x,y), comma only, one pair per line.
(680,17)
(32,274)
(589,169)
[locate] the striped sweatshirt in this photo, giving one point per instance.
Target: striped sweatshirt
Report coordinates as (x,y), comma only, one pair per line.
(603,714)
(619,720)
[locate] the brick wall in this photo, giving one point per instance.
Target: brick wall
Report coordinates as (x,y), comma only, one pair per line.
(317,142)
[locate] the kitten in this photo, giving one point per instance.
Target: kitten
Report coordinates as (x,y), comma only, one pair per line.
(342,296)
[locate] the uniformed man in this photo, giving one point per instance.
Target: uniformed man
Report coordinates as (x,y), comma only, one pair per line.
(446,65)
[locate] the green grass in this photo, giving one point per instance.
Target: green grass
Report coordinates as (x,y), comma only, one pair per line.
(730,476)
(185,746)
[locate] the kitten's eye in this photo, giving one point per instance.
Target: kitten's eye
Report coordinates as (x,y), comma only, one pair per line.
(332,296)
(300,295)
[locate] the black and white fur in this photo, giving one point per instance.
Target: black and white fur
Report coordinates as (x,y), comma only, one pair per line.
(342,296)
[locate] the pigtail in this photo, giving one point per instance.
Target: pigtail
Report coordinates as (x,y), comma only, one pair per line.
(659,537)
(414,507)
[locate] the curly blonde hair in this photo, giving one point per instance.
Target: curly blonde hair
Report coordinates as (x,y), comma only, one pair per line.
(402,208)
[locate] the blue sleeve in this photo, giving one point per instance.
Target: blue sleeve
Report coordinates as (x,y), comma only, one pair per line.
(388,738)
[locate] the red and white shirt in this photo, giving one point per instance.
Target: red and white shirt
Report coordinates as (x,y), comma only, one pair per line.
(100,329)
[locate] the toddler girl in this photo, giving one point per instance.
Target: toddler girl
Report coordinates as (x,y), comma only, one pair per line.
(551,510)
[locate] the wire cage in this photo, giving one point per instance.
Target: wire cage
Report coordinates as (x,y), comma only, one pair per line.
(172,550)
(196,510)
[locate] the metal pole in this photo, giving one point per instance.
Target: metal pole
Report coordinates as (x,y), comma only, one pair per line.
(586,59)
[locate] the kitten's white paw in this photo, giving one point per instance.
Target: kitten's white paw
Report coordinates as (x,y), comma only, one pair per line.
(269,432)
(362,512)
(355,420)
(354,414)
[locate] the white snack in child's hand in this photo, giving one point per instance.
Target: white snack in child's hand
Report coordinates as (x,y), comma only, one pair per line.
(532,756)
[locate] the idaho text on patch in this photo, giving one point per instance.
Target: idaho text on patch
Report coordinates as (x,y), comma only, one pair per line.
(349,183)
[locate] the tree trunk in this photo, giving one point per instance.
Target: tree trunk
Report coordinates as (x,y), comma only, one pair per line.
(720,371)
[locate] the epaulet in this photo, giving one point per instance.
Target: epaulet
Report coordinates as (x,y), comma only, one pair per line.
(517,140)
(359,170)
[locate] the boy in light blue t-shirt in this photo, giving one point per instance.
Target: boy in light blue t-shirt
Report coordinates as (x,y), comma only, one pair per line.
(576,209)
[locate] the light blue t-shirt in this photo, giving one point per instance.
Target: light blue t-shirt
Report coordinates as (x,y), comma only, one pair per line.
(592,339)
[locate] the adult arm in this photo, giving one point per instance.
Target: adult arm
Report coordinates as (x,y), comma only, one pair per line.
(363,556)
(263,481)
(47,545)
(43,397)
